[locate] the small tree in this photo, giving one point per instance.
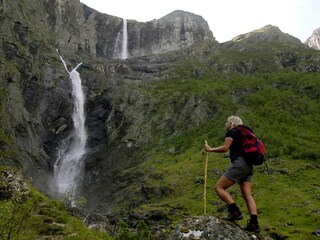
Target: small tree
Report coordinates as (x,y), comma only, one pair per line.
(14,220)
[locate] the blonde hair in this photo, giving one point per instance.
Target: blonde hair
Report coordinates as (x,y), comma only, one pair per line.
(235,121)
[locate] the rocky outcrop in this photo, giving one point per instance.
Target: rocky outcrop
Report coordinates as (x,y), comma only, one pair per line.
(210,228)
(12,186)
(177,30)
(314,40)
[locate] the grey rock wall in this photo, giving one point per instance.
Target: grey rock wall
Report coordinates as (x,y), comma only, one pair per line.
(314,40)
(83,30)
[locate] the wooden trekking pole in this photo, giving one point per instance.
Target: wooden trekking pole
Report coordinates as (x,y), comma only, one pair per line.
(205,182)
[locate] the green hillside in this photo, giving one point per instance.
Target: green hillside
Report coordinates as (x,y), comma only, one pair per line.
(282,105)
(26,214)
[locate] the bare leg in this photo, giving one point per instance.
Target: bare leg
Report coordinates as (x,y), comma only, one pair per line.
(247,196)
(253,225)
(220,188)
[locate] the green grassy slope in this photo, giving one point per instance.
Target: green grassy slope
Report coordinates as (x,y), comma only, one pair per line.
(38,217)
(283,108)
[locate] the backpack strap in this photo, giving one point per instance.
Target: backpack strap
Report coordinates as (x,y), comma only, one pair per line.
(239,127)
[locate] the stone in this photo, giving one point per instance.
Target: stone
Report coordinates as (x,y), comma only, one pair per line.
(209,228)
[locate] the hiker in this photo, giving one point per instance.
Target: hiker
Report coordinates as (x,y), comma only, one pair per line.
(239,172)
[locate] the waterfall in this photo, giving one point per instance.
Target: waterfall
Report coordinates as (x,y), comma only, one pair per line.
(124,53)
(121,46)
(68,168)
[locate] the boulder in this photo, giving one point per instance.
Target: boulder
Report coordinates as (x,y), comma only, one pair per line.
(210,228)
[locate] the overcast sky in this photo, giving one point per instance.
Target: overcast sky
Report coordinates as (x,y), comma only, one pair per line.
(226,18)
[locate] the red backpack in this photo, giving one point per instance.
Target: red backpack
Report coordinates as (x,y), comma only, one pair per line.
(253,148)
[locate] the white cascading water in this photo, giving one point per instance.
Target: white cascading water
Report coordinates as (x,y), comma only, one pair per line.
(124,53)
(121,47)
(68,168)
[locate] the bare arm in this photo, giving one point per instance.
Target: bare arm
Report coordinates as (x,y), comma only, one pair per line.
(222,149)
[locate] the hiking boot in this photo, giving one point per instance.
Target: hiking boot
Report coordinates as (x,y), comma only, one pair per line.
(252,227)
(234,215)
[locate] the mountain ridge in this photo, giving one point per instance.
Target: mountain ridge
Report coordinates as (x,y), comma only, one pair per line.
(266,34)
(223,41)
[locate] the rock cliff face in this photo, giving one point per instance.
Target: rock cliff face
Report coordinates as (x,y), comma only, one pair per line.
(174,31)
(35,90)
(85,31)
(314,40)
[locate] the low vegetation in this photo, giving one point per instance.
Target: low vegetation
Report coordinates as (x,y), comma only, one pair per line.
(32,215)
(282,107)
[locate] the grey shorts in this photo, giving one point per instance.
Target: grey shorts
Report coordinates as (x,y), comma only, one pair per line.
(239,171)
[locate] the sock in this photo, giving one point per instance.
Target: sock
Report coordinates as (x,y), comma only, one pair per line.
(232,207)
(254,218)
